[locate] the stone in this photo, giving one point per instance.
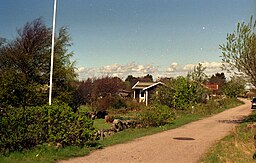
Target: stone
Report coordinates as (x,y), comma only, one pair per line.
(109,119)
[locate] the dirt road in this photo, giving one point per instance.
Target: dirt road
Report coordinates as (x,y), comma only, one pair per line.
(182,145)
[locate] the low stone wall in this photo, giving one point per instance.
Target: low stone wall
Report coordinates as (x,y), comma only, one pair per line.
(117,125)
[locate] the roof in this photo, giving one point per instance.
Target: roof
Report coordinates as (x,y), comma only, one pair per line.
(146,85)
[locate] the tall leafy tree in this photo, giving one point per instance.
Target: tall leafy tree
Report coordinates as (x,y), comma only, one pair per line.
(25,65)
(198,74)
(180,93)
(234,87)
(239,52)
(218,78)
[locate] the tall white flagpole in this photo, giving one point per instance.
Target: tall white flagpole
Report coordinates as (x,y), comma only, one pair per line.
(52,52)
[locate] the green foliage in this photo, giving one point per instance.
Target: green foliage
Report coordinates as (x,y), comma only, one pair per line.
(165,95)
(21,128)
(44,153)
(25,62)
(234,87)
(26,127)
(67,127)
(214,106)
(155,115)
(239,52)
(118,102)
(198,74)
(101,124)
(180,93)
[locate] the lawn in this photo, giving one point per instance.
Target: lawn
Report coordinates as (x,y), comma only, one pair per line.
(101,124)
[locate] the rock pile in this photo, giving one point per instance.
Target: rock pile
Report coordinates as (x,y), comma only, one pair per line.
(117,125)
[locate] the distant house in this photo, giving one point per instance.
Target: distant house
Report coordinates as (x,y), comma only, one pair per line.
(143,90)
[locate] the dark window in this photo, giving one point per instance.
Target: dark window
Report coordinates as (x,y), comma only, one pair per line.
(142,94)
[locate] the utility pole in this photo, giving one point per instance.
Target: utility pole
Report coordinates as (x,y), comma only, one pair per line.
(52,52)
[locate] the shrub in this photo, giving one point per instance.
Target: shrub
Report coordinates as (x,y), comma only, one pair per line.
(233,88)
(133,104)
(155,115)
(118,102)
(23,128)
(215,105)
(180,93)
(67,127)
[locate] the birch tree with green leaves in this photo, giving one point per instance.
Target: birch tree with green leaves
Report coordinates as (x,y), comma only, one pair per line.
(239,52)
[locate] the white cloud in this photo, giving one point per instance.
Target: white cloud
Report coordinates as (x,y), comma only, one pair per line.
(137,70)
(209,66)
(173,67)
(118,70)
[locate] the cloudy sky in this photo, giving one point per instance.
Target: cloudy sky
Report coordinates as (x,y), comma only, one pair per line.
(136,37)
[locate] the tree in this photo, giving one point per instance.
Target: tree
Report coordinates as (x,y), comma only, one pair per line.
(25,66)
(131,80)
(147,78)
(84,91)
(198,74)
(218,78)
(234,87)
(239,52)
(180,93)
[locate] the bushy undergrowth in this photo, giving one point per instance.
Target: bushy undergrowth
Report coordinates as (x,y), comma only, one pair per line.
(214,106)
(26,127)
(155,115)
(180,94)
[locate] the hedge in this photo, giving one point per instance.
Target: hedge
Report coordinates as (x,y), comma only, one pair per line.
(26,127)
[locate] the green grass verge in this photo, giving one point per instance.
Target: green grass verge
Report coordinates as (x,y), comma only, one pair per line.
(44,154)
(236,147)
(133,133)
(101,124)
(47,154)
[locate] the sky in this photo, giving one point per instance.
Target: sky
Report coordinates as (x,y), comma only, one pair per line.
(136,37)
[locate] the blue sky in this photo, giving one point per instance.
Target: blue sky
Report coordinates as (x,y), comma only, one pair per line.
(118,37)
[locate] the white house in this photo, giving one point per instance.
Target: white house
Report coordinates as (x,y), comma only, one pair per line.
(143,90)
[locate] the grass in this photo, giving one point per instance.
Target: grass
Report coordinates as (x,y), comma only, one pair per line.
(101,124)
(44,153)
(133,133)
(236,147)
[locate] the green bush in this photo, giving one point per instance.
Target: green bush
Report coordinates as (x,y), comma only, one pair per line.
(214,106)
(23,128)
(67,127)
(155,115)
(234,87)
(180,93)
(117,102)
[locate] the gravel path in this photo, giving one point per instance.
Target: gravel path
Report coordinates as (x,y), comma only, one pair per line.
(182,145)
